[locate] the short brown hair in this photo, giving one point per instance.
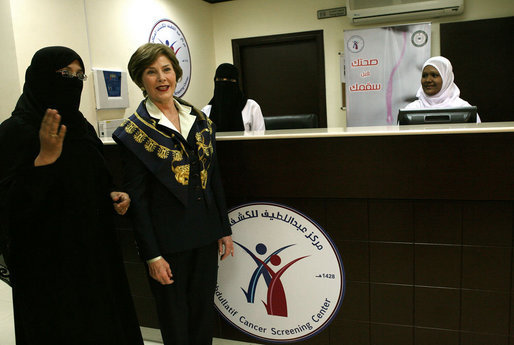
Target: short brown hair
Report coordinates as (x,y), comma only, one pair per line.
(146,55)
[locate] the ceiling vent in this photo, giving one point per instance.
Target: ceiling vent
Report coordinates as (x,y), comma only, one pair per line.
(215,1)
(380,11)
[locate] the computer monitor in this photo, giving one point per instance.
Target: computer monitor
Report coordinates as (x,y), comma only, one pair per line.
(442,115)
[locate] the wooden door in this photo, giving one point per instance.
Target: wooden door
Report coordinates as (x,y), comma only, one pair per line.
(481,52)
(285,74)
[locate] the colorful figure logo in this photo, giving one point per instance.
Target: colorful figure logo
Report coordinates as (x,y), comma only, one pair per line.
(355,44)
(276,302)
(167,42)
(287,282)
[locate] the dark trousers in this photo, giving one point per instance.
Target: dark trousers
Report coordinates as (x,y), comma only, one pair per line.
(186,307)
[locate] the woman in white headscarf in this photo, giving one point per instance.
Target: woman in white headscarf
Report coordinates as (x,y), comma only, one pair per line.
(438,89)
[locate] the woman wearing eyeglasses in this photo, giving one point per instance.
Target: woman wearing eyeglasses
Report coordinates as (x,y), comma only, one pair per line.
(56,204)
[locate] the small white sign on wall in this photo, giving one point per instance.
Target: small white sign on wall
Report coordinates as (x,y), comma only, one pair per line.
(110,88)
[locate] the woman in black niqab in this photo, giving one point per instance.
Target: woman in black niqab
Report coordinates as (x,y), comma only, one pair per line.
(228,100)
(45,89)
(68,278)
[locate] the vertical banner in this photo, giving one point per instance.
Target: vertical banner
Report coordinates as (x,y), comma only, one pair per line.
(383,71)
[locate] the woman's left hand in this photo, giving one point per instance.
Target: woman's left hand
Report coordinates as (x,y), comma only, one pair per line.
(121,202)
(51,138)
(225,247)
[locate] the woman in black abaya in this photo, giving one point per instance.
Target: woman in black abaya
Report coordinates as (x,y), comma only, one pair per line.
(69,284)
(229,108)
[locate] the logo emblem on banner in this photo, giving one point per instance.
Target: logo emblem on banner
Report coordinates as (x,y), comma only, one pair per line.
(168,33)
(286,281)
(355,44)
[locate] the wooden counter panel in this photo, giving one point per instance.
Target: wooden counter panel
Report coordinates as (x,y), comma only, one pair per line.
(424,225)
(465,166)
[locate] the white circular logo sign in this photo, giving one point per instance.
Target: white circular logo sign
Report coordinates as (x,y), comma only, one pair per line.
(355,44)
(286,280)
(166,32)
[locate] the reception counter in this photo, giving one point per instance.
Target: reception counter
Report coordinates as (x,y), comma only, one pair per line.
(495,127)
(422,217)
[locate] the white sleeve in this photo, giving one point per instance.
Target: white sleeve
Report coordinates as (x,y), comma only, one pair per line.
(207,110)
(252,116)
(413,105)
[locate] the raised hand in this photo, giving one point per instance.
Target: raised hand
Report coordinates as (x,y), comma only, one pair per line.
(51,137)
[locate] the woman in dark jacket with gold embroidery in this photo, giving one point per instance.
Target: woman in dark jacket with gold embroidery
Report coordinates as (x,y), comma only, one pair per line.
(178,210)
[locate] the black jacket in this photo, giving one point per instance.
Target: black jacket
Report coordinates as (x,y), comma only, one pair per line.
(169,216)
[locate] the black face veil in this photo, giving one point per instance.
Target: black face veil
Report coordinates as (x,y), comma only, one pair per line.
(44,88)
(228,100)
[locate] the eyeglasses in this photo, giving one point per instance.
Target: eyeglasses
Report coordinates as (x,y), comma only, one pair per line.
(67,74)
(226,79)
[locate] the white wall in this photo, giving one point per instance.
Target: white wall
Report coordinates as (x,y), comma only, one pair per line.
(38,24)
(9,85)
(106,33)
(118,27)
(250,18)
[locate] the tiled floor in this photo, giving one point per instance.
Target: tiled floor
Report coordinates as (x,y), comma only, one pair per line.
(7,323)
(6,315)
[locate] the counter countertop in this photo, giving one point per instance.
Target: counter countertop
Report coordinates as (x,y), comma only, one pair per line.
(467,128)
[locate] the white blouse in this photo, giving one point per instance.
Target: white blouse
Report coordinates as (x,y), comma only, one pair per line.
(253,119)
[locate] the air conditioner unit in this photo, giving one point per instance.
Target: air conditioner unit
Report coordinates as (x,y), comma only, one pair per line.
(379,11)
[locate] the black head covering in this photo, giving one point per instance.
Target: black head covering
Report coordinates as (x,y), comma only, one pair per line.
(228,100)
(44,88)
